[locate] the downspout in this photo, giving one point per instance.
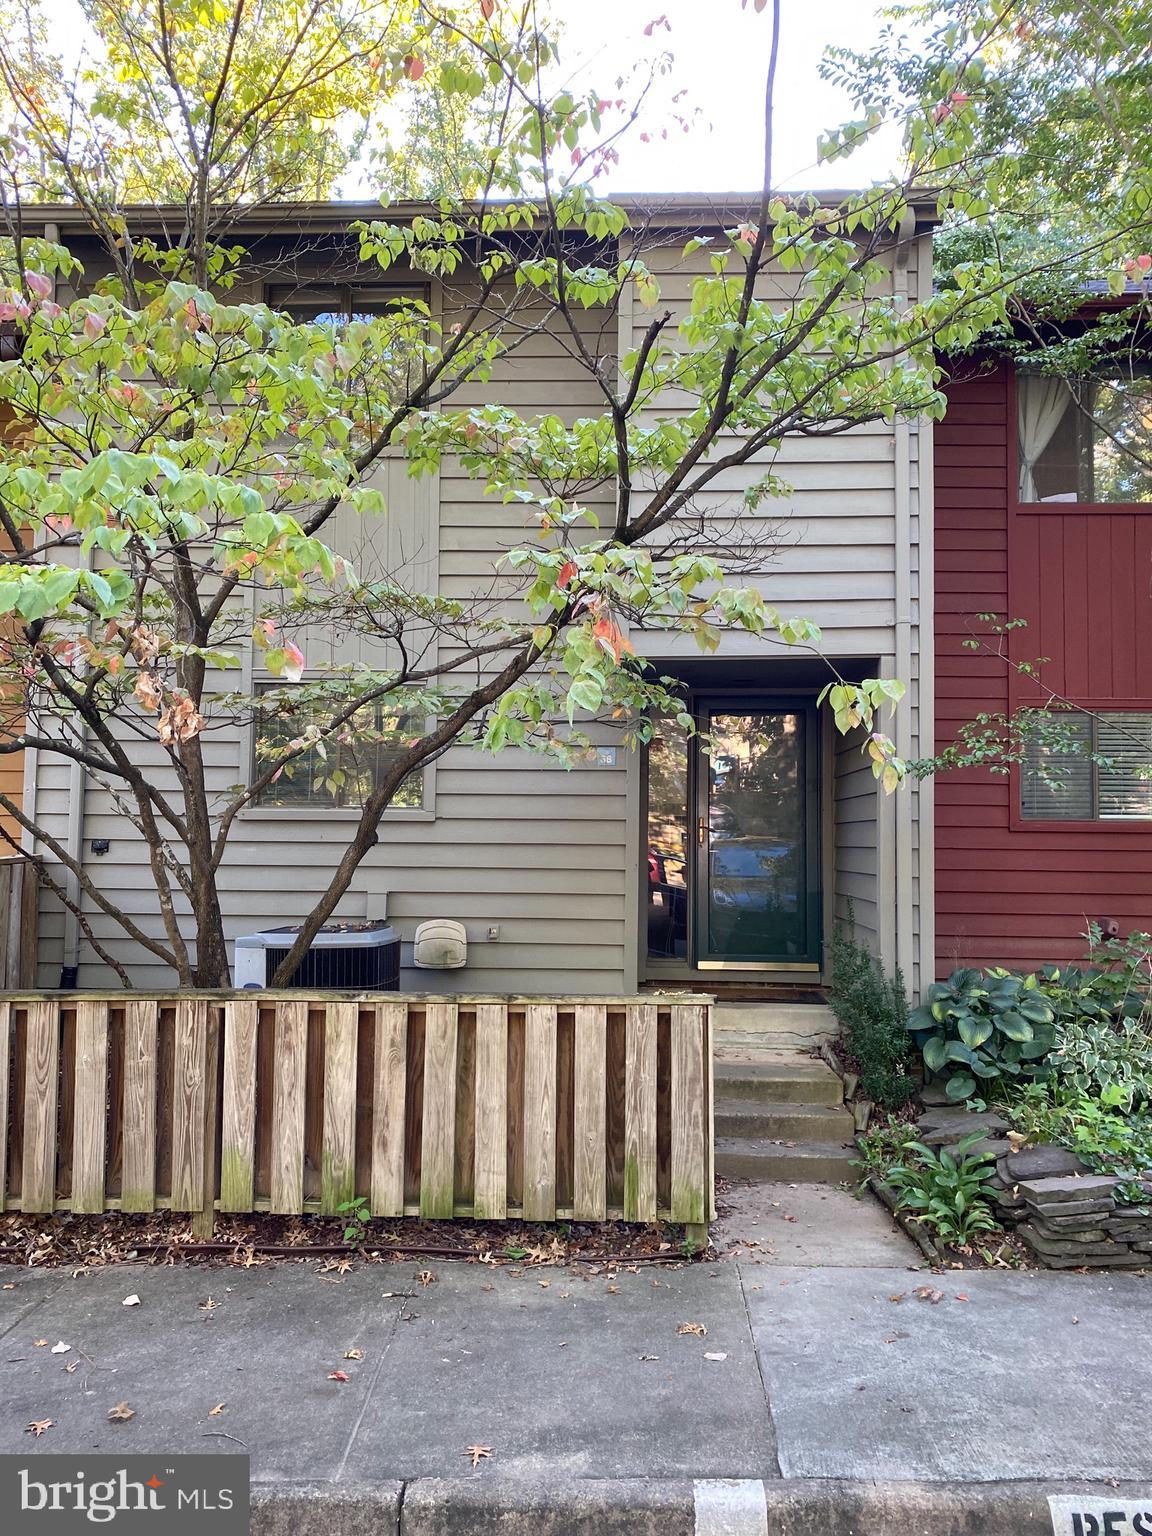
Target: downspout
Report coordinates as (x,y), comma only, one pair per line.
(902,732)
(74,833)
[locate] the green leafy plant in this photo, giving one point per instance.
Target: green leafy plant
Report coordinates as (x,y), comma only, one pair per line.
(872,1010)
(357,1215)
(945,1189)
(881,1148)
(1107,1139)
(984,1026)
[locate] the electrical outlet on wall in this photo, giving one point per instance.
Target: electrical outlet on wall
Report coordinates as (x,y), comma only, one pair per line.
(494,931)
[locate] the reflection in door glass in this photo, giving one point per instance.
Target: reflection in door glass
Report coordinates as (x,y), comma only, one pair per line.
(756,888)
(668,842)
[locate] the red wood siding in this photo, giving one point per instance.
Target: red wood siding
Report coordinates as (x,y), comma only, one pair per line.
(1008,893)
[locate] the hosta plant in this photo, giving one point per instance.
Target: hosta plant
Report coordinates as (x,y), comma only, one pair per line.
(980,1028)
(945,1189)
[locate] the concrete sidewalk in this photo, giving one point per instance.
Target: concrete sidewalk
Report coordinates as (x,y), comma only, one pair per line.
(826,1402)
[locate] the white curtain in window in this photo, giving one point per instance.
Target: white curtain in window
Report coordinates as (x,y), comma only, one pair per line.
(1043,401)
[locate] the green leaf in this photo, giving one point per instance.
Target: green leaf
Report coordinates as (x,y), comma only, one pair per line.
(1014,1025)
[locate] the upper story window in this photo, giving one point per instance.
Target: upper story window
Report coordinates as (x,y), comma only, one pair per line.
(1085,439)
(1101,770)
(338,303)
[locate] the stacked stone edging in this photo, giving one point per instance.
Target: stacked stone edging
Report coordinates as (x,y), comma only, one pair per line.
(1068,1215)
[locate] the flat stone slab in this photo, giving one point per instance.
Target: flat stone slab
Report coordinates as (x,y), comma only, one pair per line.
(1089,1245)
(1037,1375)
(1104,1207)
(1048,1191)
(1042,1163)
(945,1126)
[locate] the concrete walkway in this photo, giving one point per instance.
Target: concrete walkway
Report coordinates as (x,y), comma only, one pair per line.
(830,1399)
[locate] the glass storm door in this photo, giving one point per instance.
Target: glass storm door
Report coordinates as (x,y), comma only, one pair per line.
(733,878)
(757,860)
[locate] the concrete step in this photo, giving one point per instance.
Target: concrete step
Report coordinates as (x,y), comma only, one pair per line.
(801,1026)
(748,1119)
(778,1080)
(809,1162)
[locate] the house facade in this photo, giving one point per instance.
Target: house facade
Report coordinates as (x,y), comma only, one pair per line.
(659,868)
(1044,514)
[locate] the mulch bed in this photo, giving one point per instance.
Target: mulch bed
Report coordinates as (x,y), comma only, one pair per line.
(64,1240)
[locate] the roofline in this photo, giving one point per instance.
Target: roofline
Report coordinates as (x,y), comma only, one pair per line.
(663,208)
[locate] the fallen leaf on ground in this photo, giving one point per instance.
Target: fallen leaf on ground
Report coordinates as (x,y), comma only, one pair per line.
(121,1413)
(613,1290)
(61,1348)
(926,1293)
(714,1355)
(355,1353)
(963,1296)
(39,1343)
(9,1285)
(478,1453)
(38,1426)
(544,1284)
(899,1296)
(341,1266)
(214,1413)
(789,1218)
(649,1357)
(696,1328)
(72,1365)
(338,1376)
(426,1277)
(208,1305)
(131,1301)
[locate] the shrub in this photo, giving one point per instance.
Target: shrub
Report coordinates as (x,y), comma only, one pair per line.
(945,1190)
(990,1026)
(872,1010)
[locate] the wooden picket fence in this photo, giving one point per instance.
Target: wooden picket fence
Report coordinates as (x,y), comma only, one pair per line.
(577,1108)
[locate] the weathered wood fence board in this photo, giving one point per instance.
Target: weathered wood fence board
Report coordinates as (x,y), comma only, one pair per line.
(579,1108)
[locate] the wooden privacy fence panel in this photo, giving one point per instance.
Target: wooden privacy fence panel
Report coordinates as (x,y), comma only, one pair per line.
(587,1109)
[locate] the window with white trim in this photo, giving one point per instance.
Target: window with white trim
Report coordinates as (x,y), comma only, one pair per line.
(343,768)
(1100,770)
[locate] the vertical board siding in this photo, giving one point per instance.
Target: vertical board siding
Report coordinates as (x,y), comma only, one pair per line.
(388,1109)
(238,1116)
(490,1195)
(41,1087)
(640,1114)
(1008,893)
(540,1103)
(289,1086)
(437,1146)
(90,1122)
(480,1107)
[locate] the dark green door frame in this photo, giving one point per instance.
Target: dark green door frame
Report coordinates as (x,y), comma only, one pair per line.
(803,947)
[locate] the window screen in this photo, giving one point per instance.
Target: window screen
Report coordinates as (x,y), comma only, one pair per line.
(351,767)
(1106,775)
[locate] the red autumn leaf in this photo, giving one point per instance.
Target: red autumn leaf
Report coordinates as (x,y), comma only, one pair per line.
(567,571)
(413,66)
(338,1376)
(486,9)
